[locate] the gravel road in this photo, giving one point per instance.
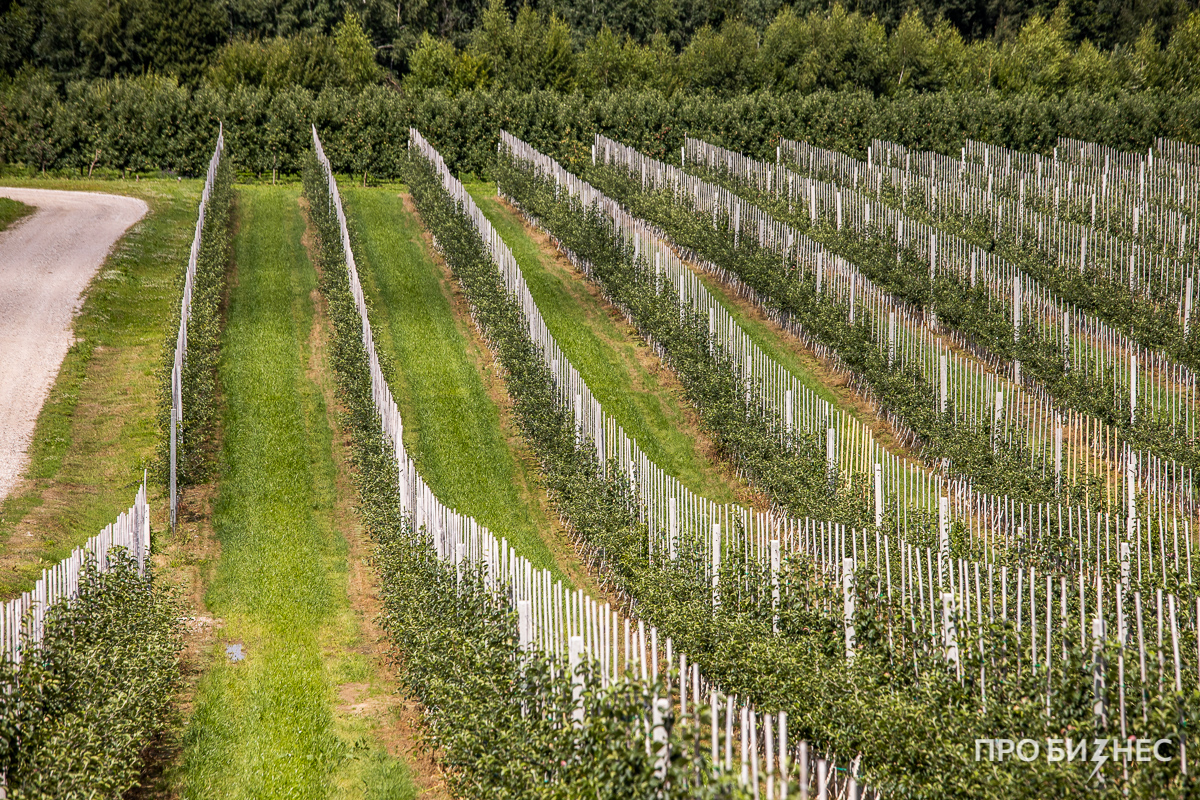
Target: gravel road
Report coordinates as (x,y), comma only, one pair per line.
(46,262)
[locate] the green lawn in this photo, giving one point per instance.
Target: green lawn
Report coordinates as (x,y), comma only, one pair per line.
(266,727)
(452,426)
(96,431)
(11,211)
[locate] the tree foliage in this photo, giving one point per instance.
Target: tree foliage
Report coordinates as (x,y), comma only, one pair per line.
(834,49)
(104,38)
(499,720)
(79,713)
(153,123)
(313,61)
(896,703)
(195,456)
(725,46)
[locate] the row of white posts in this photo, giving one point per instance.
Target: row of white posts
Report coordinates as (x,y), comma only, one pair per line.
(1088,342)
(1151,197)
(1143,242)
(956,603)
(1090,447)
(553,621)
(1154,203)
(991,520)
(980,386)
(23,619)
(844,200)
(185,316)
(1165,389)
(945,623)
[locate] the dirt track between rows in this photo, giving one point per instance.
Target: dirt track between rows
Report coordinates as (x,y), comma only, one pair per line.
(46,262)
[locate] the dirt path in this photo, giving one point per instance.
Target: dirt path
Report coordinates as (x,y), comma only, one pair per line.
(46,261)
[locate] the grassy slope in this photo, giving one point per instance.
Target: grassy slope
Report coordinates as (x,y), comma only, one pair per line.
(452,427)
(11,211)
(96,431)
(622,372)
(781,347)
(266,727)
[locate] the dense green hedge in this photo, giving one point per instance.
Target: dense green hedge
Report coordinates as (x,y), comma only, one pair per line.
(152,123)
(79,714)
(195,454)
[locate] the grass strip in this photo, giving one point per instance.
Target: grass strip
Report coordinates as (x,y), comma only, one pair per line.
(12,210)
(453,425)
(96,431)
(498,719)
(899,385)
(613,358)
(794,356)
(621,370)
(266,726)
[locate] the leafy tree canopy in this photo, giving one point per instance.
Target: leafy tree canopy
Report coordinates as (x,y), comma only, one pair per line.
(725,46)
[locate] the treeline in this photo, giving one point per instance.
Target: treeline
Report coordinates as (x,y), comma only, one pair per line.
(1013,46)
(148,124)
(834,50)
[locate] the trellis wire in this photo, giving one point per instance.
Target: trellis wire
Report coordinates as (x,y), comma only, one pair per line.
(185,316)
(1153,382)
(761,537)
(1160,270)
(1154,385)
(567,627)
(23,619)
(1070,444)
(984,515)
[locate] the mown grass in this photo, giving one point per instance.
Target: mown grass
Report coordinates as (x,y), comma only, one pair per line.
(770,341)
(267,726)
(623,373)
(11,211)
(565,303)
(452,426)
(96,431)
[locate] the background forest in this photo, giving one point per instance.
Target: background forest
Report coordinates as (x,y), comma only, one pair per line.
(728,46)
(84,83)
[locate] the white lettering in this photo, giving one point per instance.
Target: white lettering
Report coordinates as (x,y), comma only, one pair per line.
(1020,749)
